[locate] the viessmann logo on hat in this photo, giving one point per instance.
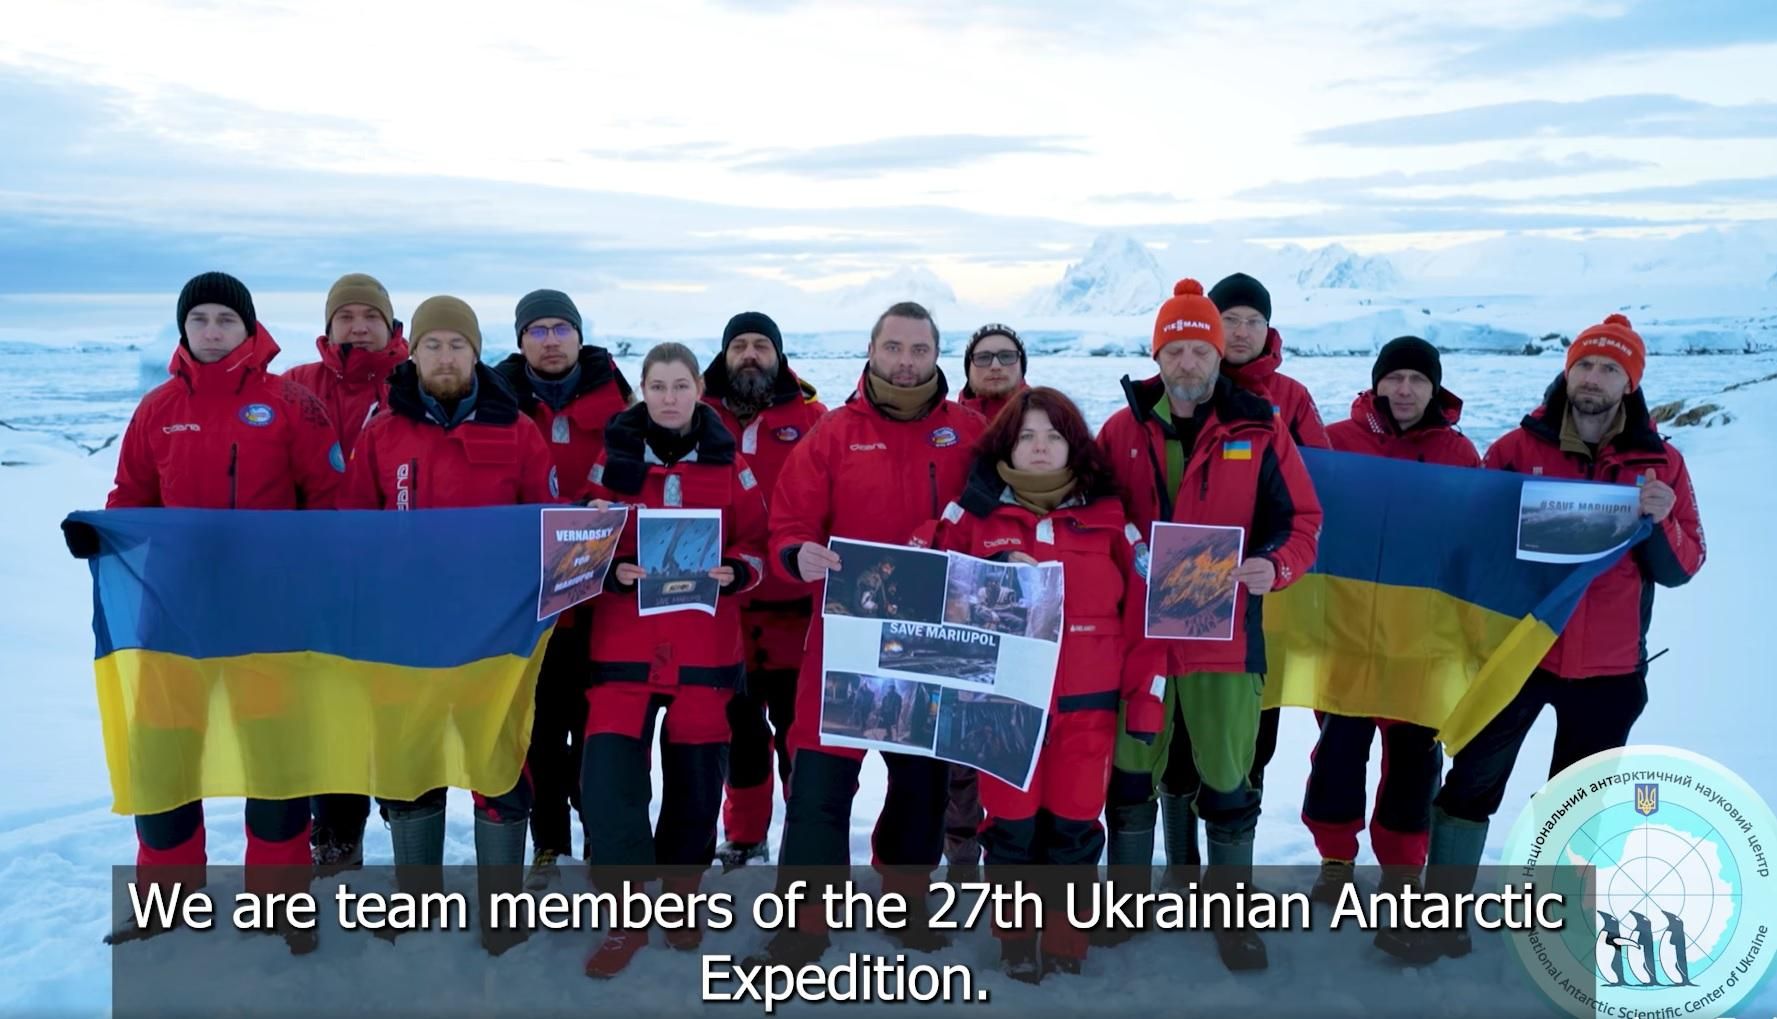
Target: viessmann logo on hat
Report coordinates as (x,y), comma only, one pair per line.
(1179,325)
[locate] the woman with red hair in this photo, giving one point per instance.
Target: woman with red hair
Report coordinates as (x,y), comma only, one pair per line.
(1040,491)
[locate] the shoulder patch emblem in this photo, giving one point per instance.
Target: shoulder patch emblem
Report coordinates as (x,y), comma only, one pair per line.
(554,484)
(258,414)
(788,433)
(336,459)
(942,437)
(1141,559)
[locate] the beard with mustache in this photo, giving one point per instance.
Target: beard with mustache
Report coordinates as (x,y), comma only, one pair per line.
(446,386)
(1190,390)
(750,390)
(1591,402)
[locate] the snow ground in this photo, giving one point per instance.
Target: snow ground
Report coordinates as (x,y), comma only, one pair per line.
(58,839)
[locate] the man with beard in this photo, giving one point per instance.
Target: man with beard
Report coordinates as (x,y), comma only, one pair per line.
(362,345)
(993,369)
(875,470)
(769,410)
(1593,426)
(571,389)
(1193,448)
(453,437)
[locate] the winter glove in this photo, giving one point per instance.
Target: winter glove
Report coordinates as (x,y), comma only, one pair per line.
(1143,717)
(82,538)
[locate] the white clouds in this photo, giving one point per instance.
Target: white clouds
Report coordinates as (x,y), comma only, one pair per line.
(993,138)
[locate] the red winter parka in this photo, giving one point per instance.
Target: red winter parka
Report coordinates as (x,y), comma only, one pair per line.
(1607,635)
(228,435)
(778,609)
(866,476)
(1435,439)
(406,459)
(1289,399)
(576,432)
(1104,658)
(1243,471)
(679,648)
(352,386)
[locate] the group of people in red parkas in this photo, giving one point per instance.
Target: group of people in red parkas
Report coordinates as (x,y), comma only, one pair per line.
(411,417)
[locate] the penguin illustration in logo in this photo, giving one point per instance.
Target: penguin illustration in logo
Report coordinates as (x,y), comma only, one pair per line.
(1650,950)
(1637,950)
(1607,950)
(1674,953)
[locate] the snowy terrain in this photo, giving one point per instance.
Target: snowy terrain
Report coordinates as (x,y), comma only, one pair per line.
(58,838)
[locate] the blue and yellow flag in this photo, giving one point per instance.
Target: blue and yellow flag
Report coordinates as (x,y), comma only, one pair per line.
(284,654)
(1418,608)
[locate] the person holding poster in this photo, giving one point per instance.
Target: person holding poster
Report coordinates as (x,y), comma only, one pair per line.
(1406,414)
(668,452)
(874,470)
(1191,447)
(570,388)
(1041,491)
(1593,426)
(265,443)
(770,410)
(453,437)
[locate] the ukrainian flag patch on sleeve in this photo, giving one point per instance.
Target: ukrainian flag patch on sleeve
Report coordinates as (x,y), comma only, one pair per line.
(1242,450)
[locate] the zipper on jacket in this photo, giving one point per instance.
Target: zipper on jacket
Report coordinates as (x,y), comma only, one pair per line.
(234,456)
(932,473)
(413,483)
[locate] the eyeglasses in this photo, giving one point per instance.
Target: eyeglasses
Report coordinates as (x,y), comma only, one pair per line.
(560,330)
(1231,322)
(983,358)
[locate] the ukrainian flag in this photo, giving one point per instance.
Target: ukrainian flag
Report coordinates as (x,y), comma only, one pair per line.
(1418,608)
(284,654)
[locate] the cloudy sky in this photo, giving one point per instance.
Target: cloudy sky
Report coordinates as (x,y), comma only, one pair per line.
(667,146)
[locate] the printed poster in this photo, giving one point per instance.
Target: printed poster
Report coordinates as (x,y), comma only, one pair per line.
(678,548)
(1575,521)
(578,546)
(940,655)
(1191,586)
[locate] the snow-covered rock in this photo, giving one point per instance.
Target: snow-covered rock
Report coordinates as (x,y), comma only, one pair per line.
(1118,276)
(909,283)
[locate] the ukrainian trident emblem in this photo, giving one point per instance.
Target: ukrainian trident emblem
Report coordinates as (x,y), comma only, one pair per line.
(1647,798)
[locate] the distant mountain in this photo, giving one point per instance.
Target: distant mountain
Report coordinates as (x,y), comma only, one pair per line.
(909,283)
(1335,267)
(1118,276)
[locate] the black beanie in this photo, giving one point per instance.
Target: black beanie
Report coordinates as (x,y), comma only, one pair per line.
(1408,352)
(217,288)
(546,304)
(1241,290)
(754,322)
(995,329)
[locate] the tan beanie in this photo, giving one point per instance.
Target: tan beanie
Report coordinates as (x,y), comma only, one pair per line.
(357,288)
(450,313)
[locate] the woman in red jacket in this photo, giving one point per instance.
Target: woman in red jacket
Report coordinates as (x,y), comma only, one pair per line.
(1040,491)
(670,451)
